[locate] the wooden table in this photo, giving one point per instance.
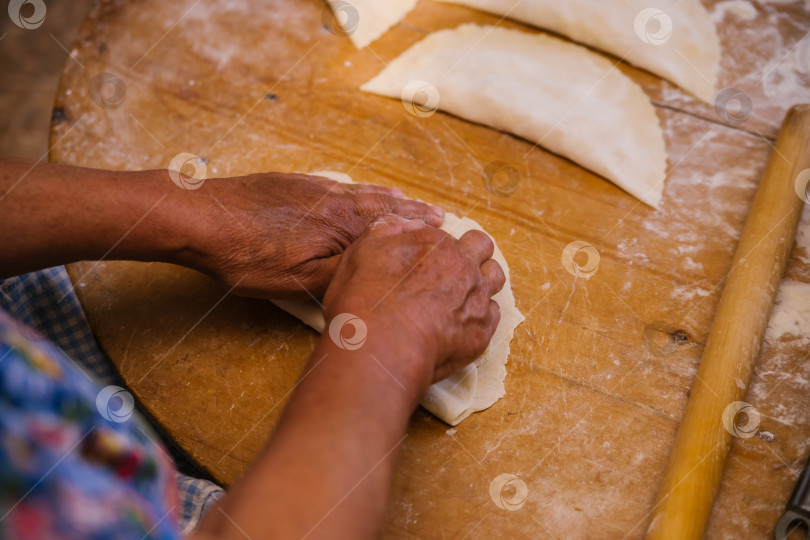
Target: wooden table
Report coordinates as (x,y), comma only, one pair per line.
(591,406)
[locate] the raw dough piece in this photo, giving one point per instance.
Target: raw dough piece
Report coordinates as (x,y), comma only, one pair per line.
(366,20)
(558,94)
(676,40)
(477,386)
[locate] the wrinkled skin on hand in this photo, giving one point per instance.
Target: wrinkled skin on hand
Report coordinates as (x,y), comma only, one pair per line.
(281,236)
(423,288)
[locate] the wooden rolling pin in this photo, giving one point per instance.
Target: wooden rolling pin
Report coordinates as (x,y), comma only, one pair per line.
(695,467)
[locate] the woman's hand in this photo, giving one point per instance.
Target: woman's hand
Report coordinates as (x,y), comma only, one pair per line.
(425,299)
(265,235)
(282,235)
(418,289)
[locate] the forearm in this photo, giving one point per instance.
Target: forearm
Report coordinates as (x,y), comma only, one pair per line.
(53,214)
(327,469)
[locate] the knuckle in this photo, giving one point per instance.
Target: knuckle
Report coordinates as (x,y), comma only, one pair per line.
(499,275)
(479,236)
(488,242)
(480,305)
(437,238)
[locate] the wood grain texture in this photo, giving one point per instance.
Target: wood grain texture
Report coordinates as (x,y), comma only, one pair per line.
(704,436)
(593,401)
(33,62)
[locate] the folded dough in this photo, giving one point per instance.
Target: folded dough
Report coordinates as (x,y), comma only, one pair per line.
(676,40)
(366,20)
(477,386)
(558,94)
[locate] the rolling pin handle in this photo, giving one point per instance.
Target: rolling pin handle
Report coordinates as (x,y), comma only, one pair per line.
(797,510)
(692,478)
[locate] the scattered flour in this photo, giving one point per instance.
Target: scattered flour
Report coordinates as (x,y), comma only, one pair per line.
(806,3)
(784,78)
(737,177)
(740,8)
(781,66)
(791,312)
(690,264)
(691,291)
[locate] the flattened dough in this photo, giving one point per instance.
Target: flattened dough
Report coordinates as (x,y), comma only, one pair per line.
(675,40)
(366,20)
(552,92)
(479,385)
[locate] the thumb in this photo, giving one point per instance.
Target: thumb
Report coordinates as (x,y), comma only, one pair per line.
(372,205)
(382,226)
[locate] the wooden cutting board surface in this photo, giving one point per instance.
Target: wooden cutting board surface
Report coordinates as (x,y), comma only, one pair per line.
(600,371)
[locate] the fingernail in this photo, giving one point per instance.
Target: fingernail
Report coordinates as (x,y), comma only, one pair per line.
(438,211)
(397,193)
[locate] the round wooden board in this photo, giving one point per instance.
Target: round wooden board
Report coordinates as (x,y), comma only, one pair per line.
(591,406)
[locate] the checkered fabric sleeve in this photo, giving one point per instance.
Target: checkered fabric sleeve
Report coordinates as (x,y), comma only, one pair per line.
(46,302)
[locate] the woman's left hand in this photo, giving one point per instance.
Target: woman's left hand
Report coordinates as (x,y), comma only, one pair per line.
(280,236)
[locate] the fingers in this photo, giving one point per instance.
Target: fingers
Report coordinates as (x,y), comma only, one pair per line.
(331,185)
(480,243)
(370,188)
(494,276)
(374,204)
(389,225)
(353,188)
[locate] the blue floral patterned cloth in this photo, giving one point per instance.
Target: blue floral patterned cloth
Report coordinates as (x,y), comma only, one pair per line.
(76,459)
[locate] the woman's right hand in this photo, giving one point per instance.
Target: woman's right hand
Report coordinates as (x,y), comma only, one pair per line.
(420,291)
(425,300)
